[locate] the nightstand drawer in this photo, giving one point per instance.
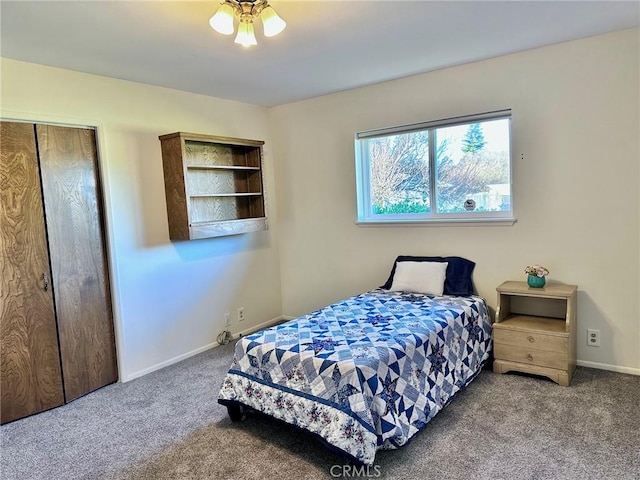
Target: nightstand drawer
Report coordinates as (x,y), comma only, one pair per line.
(530,356)
(528,340)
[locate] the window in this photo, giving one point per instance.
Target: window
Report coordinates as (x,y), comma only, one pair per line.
(457,169)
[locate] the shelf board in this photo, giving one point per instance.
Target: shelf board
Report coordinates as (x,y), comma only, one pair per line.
(550,290)
(213,223)
(527,323)
(222,167)
(214,139)
(223,228)
(208,195)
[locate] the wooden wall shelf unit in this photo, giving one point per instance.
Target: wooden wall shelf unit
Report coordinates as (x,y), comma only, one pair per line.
(213,185)
(535,330)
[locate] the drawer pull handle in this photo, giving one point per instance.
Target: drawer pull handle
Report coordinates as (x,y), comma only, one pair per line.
(529,357)
(531,339)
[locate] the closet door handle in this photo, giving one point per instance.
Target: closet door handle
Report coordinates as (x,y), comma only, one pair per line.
(45,282)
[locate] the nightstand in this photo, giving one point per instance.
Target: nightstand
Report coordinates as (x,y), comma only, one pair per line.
(535,330)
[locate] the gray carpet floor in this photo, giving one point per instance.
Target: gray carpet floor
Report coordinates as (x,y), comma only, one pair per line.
(167,425)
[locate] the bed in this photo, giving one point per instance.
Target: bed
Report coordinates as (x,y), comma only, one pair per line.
(365,373)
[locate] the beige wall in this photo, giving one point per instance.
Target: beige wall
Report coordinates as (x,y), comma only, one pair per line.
(576,188)
(170,298)
(576,194)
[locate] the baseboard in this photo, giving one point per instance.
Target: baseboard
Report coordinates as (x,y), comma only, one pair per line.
(606,366)
(204,348)
(166,363)
(267,324)
(285,318)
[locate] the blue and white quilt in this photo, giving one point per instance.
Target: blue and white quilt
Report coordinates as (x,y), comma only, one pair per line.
(366,373)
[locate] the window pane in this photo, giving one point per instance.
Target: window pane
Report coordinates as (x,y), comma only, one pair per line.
(399,173)
(472,167)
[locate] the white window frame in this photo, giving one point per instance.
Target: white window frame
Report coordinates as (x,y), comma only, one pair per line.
(363,183)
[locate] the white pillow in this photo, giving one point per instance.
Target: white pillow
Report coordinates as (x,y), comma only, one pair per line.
(420,277)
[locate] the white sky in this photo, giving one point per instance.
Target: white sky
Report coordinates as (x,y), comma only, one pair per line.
(496,136)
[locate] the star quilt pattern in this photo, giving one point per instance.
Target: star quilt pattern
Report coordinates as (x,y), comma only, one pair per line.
(366,373)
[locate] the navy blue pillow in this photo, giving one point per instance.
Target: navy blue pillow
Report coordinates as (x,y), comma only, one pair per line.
(458,276)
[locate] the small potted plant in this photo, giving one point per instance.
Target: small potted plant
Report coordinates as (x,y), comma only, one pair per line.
(535,275)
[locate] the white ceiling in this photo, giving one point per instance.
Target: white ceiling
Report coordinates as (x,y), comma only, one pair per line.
(328,46)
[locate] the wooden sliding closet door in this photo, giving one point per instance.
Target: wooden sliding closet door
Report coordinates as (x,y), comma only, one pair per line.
(70,181)
(30,379)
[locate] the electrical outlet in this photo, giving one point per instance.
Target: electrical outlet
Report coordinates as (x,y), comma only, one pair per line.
(227,319)
(241,314)
(593,337)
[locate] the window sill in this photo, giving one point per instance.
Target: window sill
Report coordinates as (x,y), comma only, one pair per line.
(462,222)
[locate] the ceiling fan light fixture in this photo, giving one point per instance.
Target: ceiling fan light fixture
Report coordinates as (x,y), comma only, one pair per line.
(247,11)
(271,22)
(222,21)
(246,36)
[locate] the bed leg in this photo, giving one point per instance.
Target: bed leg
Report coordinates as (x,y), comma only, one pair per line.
(236,413)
